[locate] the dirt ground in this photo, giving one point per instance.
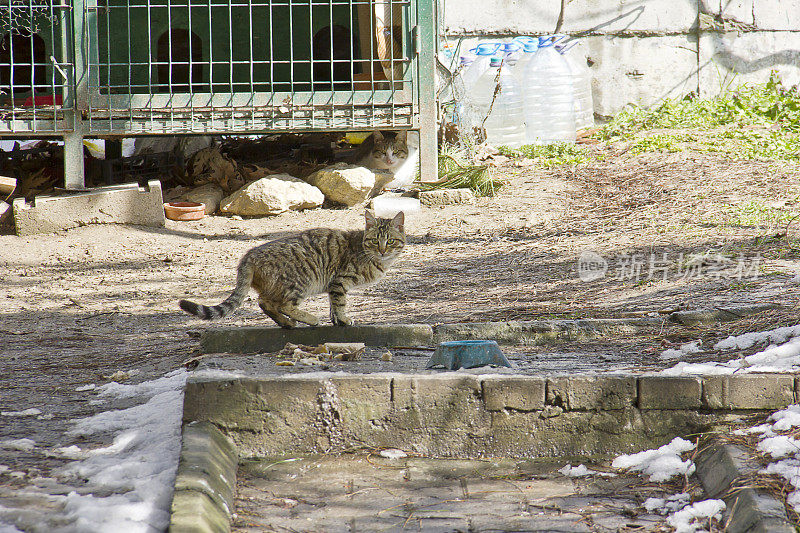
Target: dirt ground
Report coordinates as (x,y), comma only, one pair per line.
(678,231)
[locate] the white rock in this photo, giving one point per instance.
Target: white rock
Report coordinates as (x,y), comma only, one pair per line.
(272,195)
(348,184)
(209,194)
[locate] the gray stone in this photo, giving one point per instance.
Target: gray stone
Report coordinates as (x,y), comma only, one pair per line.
(272,195)
(121,204)
(259,340)
(348,184)
(670,392)
(5,211)
(209,194)
(722,314)
(592,392)
(719,468)
(748,391)
(440,197)
(521,393)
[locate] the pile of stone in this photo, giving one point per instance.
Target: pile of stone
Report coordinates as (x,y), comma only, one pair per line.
(248,190)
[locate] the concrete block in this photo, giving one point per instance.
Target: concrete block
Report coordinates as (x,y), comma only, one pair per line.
(625,72)
(670,392)
(608,16)
(521,393)
(441,197)
(592,392)
(271,339)
(203,499)
(121,204)
(364,400)
(748,391)
(731,59)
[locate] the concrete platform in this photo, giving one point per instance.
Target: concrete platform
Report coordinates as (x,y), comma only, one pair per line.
(121,204)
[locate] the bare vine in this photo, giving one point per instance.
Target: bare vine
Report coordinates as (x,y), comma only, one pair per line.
(26,17)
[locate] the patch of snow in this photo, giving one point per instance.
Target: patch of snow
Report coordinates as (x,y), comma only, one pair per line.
(137,468)
(694,517)
(683,349)
(746,340)
(665,506)
(27,412)
(779,446)
(84,388)
(775,358)
(582,471)
(661,464)
(23,445)
(393,453)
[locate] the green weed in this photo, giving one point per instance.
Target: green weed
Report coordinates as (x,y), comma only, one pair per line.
(550,155)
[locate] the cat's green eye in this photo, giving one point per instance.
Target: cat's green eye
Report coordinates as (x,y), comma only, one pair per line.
(392,241)
(374,242)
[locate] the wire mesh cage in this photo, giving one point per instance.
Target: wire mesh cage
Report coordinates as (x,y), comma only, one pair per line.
(36,70)
(113,68)
(233,65)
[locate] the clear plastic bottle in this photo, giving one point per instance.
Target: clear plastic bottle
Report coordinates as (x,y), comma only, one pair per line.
(528,49)
(483,55)
(549,96)
(582,80)
(502,110)
(464,112)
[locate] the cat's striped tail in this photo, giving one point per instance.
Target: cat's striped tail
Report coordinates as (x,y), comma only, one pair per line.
(244,277)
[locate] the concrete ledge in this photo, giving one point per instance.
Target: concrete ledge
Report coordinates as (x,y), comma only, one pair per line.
(260,339)
(123,204)
(721,314)
(203,500)
(462,414)
(535,332)
(719,467)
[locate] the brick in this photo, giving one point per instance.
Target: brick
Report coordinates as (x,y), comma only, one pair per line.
(577,393)
(434,390)
(748,391)
(670,392)
(522,393)
(439,197)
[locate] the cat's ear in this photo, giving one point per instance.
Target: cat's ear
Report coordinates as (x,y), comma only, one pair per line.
(377,136)
(370,218)
(398,221)
(401,136)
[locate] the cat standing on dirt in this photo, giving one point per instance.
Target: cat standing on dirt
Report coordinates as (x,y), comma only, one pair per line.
(286,271)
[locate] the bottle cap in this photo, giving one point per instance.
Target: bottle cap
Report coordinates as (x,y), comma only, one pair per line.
(486,49)
(495,61)
(531,47)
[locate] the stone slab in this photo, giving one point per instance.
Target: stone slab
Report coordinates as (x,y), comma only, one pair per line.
(586,392)
(748,391)
(270,339)
(670,392)
(120,204)
(203,498)
(719,468)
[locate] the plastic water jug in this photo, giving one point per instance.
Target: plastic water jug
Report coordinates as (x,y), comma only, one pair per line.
(528,49)
(549,96)
(582,82)
(503,109)
(483,55)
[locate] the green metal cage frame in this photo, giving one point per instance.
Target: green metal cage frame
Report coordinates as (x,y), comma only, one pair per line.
(117,68)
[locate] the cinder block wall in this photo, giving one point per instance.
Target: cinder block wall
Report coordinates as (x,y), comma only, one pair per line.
(642,51)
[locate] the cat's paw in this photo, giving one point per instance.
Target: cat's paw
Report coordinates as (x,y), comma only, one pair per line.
(341,320)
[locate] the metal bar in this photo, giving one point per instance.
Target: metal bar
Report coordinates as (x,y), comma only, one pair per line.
(426,90)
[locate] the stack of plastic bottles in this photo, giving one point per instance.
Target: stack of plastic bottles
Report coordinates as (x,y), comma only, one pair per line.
(531,85)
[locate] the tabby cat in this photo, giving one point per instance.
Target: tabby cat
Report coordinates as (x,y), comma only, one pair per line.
(382,152)
(286,271)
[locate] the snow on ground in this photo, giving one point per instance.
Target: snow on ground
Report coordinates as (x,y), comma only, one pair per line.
(782,447)
(128,484)
(683,349)
(661,464)
(782,354)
